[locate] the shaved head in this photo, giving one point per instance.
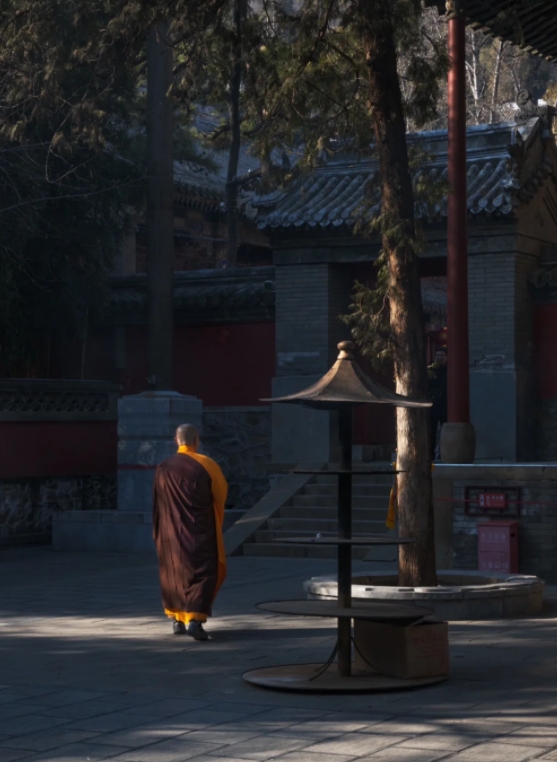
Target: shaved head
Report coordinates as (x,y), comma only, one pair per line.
(187,434)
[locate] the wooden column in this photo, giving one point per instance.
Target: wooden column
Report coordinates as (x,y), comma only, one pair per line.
(160,210)
(457,237)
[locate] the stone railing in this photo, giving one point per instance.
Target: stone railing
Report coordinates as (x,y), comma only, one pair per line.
(52,400)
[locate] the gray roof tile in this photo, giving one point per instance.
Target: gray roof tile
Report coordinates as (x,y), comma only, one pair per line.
(336,193)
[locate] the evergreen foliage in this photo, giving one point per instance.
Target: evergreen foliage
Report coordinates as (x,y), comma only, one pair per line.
(68,171)
(72,162)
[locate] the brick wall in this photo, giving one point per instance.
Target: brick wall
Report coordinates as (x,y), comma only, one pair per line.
(491,289)
(546,379)
(309,299)
(524,358)
(501,353)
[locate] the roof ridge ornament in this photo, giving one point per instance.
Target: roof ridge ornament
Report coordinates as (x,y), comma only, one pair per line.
(346,350)
(529,109)
(455,8)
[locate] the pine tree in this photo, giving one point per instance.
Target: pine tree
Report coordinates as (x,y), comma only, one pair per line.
(329,74)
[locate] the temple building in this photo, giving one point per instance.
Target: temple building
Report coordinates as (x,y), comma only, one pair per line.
(280,320)
(270,328)
(512,212)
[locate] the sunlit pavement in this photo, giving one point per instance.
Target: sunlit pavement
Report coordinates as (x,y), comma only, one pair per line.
(89,670)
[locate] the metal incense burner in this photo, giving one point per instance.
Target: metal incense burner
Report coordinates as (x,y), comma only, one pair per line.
(344,387)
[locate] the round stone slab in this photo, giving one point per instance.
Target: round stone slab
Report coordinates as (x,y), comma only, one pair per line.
(301,678)
(460,595)
(375,611)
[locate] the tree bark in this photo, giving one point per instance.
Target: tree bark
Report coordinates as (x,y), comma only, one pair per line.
(415,507)
(496,79)
(160,210)
(232,212)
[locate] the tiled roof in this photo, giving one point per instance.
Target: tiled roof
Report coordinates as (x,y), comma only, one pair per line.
(531,25)
(434,295)
(334,194)
(195,179)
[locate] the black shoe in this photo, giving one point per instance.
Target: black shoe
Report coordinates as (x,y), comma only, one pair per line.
(178,628)
(196,631)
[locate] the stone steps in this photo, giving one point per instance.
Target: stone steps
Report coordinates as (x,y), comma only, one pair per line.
(331,501)
(305,524)
(359,480)
(315,511)
(330,513)
(270,535)
(279,550)
(358,490)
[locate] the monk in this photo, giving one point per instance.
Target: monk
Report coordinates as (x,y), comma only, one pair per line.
(189,495)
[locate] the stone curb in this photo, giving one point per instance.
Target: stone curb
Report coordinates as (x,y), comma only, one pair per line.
(500,595)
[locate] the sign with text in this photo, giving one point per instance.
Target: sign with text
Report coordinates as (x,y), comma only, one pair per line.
(496,500)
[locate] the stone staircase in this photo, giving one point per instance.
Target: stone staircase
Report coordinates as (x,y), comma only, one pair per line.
(313,511)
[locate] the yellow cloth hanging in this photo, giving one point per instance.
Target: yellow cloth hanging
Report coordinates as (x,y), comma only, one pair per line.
(390,522)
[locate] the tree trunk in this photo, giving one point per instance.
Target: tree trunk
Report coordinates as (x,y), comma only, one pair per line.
(496,79)
(232,212)
(415,507)
(160,209)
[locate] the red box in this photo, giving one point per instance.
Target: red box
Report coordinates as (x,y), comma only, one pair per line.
(498,547)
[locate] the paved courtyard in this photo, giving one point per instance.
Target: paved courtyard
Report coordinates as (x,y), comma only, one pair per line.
(89,671)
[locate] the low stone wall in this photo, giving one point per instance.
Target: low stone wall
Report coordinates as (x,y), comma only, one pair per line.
(536,487)
(239,439)
(27,505)
(58,446)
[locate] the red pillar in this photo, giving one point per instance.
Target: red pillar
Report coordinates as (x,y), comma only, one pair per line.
(457,239)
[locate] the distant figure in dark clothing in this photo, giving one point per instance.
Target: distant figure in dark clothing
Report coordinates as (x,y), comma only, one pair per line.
(189,495)
(437,373)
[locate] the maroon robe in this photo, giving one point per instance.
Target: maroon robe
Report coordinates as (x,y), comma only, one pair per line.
(184,531)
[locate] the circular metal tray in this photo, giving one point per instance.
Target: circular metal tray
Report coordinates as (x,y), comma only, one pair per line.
(359,540)
(334,472)
(375,611)
(301,678)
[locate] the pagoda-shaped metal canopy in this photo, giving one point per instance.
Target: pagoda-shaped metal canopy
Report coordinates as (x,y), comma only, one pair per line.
(342,388)
(346,385)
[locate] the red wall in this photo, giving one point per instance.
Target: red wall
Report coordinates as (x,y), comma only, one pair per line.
(545,344)
(222,365)
(57,449)
(65,360)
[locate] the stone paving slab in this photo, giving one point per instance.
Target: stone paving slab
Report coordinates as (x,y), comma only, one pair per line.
(89,670)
